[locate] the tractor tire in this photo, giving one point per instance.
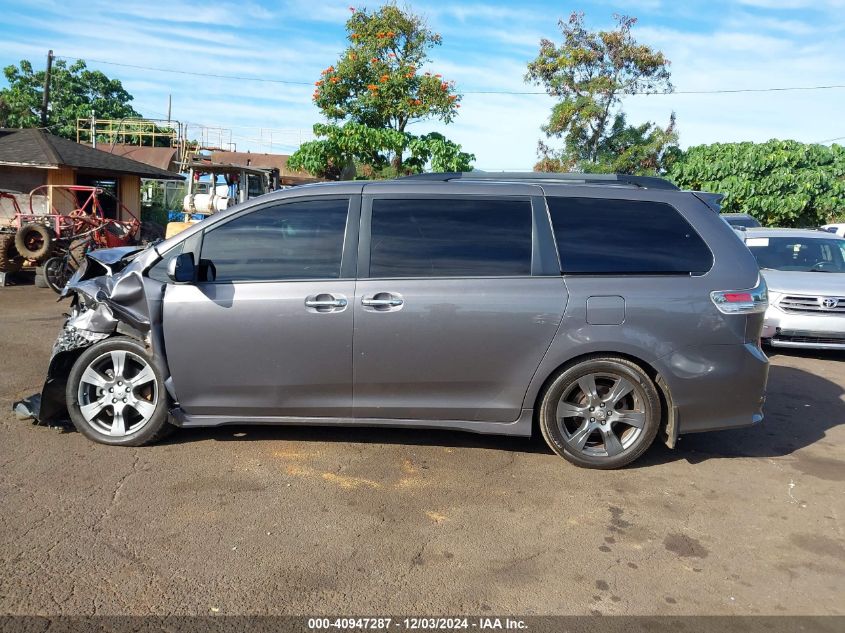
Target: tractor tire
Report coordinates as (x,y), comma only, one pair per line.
(34,241)
(10,260)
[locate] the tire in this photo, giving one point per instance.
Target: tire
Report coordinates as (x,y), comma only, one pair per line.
(57,272)
(625,406)
(10,259)
(34,241)
(92,406)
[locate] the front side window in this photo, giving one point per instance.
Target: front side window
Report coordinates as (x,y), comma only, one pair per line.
(297,240)
(450,237)
(600,236)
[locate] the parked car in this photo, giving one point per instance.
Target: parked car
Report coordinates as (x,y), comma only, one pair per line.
(492,303)
(741,221)
(836,229)
(804,270)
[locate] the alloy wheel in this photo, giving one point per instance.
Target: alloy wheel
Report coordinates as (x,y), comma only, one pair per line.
(601,414)
(118,393)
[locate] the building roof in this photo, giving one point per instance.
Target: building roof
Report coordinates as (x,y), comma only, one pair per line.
(41,150)
(268,161)
(158,157)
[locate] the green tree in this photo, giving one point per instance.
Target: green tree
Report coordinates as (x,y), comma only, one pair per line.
(341,149)
(74,92)
(377,84)
(781,183)
(588,74)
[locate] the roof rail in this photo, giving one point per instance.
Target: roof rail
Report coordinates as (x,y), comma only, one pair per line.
(624,180)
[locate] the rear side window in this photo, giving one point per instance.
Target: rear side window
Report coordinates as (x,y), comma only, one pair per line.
(449,237)
(297,240)
(598,236)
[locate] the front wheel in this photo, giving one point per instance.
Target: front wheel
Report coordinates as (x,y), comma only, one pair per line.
(116,395)
(603,412)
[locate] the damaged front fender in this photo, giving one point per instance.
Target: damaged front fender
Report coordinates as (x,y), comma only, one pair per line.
(108,298)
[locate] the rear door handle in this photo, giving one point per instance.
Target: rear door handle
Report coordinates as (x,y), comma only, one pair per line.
(326,302)
(383,301)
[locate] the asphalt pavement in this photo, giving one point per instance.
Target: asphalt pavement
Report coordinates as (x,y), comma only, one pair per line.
(284,520)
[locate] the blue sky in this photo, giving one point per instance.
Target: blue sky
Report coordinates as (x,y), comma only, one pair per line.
(712,45)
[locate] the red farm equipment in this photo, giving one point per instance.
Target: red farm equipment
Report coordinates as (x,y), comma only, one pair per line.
(72,210)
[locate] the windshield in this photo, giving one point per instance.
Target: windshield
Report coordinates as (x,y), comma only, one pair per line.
(799,253)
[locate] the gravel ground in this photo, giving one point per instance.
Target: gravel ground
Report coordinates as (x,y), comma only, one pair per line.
(284,520)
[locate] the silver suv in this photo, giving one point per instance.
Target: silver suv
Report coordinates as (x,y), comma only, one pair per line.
(804,271)
(599,311)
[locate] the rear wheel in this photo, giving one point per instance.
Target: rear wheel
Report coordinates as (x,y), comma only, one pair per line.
(115,394)
(603,412)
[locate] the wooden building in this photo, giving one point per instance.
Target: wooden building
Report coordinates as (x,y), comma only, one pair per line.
(32,157)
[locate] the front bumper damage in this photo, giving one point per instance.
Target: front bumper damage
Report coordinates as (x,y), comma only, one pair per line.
(108,298)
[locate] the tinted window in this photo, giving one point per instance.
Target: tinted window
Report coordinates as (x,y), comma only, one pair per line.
(298,240)
(447,237)
(625,236)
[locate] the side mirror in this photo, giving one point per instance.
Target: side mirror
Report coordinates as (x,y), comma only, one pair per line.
(181,268)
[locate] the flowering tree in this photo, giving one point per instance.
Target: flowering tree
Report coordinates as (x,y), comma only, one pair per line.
(377,81)
(340,148)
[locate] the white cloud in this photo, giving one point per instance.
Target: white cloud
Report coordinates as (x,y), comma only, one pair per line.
(486,46)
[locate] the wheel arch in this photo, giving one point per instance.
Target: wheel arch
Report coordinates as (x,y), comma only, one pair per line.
(53,405)
(668,410)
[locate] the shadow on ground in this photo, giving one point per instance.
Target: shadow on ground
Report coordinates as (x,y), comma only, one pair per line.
(801,407)
(24,277)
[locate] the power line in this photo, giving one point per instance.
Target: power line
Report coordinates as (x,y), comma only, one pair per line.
(187,72)
(468,92)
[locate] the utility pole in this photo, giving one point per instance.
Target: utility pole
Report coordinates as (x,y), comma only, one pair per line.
(46,97)
(169,97)
(93,130)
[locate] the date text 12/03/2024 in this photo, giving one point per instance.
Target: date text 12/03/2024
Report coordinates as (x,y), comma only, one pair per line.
(418,624)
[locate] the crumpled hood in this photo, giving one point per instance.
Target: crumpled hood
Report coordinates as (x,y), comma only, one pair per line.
(112,289)
(805,283)
(106,261)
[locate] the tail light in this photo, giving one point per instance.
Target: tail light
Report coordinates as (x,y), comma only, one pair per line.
(742,301)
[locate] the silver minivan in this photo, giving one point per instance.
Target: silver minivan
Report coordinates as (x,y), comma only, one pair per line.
(600,311)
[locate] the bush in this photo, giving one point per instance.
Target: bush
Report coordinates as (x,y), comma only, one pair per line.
(781,183)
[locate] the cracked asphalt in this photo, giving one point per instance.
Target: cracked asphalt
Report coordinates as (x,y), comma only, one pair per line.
(308,521)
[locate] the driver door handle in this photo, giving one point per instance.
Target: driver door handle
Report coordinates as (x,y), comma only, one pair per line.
(326,302)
